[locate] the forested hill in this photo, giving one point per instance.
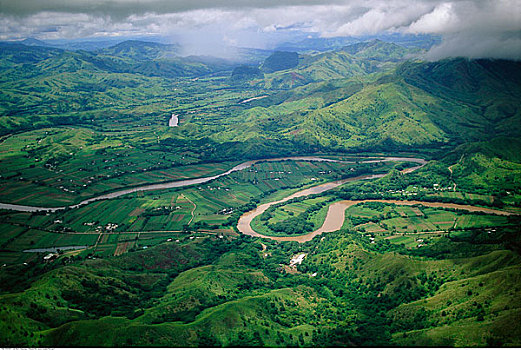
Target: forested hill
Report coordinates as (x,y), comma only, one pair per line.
(415,104)
(363,96)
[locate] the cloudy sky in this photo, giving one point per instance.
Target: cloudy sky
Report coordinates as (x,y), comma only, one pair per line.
(471,28)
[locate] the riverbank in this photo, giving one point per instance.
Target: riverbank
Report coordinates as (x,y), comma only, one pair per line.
(336,215)
(196,181)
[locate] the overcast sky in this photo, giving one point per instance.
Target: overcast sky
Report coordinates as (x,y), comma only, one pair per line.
(471,28)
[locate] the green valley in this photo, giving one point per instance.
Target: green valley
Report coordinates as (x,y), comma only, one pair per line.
(424,155)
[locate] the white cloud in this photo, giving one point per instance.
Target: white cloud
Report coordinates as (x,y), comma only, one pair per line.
(382,16)
(432,22)
(485,28)
(477,45)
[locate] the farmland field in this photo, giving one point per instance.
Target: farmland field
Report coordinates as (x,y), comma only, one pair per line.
(198,207)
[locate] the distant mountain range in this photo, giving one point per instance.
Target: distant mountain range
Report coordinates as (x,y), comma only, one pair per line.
(316,44)
(368,95)
(75,45)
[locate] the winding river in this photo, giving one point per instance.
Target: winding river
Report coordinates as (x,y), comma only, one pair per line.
(336,213)
(242,166)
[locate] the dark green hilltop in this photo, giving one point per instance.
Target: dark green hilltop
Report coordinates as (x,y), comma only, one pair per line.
(426,255)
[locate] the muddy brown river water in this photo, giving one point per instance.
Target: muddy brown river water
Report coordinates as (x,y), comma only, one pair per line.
(336,213)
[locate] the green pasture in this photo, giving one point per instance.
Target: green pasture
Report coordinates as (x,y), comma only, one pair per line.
(468,221)
(489,199)
(370,227)
(366,211)
(9,231)
(410,241)
(409,211)
(61,166)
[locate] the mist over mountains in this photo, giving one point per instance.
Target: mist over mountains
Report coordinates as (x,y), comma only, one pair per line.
(474,29)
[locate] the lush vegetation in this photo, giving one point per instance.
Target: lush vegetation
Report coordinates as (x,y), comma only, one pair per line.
(280,60)
(348,291)
(168,267)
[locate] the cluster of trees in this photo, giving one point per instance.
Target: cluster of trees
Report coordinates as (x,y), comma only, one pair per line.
(294,225)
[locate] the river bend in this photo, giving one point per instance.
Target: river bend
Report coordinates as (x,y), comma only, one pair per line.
(242,166)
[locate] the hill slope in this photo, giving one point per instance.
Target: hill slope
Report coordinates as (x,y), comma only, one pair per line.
(401,109)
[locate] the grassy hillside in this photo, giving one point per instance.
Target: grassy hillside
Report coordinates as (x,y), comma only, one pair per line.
(361,108)
(347,292)
(491,167)
(378,50)
(349,99)
(385,113)
(490,89)
(280,60)
(481,310)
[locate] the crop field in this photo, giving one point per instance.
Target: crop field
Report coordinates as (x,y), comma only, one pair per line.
(58,166)
(370,227)
(123,247)
(105,250)
(292,209)
(442,219)
(18,258)
(150,239)
(409,211)
(489,199)
(409,224)
(411,241)
(33,239)
(76,240)
(411,219)
(468,221)
(211,199)
(9,231)
(364,211)
(164,210)
(170,222)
